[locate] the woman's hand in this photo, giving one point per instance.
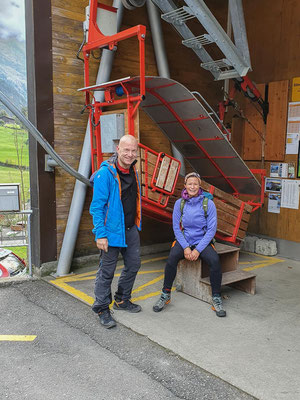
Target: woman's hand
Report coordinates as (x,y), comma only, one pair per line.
(194,255)
(187,253)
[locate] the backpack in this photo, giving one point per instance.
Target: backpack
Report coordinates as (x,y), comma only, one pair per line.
(207,196)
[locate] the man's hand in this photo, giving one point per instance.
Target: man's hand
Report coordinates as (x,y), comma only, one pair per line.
(102,244)
(187,253)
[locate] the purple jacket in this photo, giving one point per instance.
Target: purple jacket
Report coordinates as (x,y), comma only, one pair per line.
(198,230)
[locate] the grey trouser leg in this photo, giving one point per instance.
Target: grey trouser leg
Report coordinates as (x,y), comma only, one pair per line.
(107,266)
(132,263)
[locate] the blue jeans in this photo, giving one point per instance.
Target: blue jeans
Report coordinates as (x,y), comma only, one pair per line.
(208,255)
(107,266)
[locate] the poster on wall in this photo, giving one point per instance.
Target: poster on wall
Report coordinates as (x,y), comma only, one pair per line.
(292,143)
(296,89)
(290,194)
(274,203)
(293,128)
(273,185)
(282,170)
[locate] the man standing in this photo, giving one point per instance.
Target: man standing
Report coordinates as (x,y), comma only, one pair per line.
(116,211)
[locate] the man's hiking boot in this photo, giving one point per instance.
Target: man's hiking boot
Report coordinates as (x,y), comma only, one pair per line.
(164,299)
(106,319)
(127,305)
(217,306)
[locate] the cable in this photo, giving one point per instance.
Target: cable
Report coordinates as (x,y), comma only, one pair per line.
(42,141)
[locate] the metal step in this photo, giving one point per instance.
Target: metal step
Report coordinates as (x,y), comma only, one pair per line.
(198,41)
(236,62)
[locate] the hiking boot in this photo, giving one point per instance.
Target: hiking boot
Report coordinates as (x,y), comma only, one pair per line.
(126,305)
(217,306)
(106,319)
(164,299)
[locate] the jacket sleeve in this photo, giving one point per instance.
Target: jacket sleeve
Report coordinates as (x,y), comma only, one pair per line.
(211,230)
(176,226)
(99,204)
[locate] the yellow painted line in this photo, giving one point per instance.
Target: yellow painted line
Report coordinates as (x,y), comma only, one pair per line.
(75,292)
(155,280)
(17,338)
(147,296)
(267,264)
(91,275)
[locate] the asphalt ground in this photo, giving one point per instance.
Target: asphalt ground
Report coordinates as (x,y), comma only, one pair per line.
(256,348)
(62,352)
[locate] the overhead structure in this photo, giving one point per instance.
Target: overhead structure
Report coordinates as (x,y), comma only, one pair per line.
(191,128)
(236,62)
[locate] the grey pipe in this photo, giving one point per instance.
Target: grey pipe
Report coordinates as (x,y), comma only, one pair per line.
(76,208)
(42,141)
(161,59)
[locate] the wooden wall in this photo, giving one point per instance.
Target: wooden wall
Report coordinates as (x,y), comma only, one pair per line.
(273,34)
(70,125)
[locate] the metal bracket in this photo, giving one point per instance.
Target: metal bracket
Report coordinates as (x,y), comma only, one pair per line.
(49,163)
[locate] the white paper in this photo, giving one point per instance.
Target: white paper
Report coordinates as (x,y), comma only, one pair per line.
(274,203)
(292,143)
(290,194)
(294,111)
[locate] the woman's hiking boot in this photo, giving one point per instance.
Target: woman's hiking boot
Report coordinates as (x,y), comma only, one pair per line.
(217,306)
(164,299)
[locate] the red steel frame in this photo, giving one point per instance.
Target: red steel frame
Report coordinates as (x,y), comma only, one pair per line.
(97,40)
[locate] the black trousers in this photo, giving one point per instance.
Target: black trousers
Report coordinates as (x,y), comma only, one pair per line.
(107,266)
(208,255)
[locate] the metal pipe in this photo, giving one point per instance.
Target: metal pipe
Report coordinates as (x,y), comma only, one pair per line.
(161,59)
(76,208)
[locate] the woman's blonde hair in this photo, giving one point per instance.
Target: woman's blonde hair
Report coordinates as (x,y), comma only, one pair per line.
(192,175)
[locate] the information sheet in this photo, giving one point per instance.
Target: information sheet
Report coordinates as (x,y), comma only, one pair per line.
(274,203)
(290,194)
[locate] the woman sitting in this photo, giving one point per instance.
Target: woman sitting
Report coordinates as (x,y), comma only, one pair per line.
(194,229)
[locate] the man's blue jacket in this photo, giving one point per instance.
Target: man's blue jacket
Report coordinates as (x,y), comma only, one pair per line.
(106,206)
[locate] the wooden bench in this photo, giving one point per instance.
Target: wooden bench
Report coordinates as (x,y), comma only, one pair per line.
(193,276)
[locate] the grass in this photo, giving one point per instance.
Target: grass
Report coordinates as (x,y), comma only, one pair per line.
(8,152)
(20,251)
(12,175)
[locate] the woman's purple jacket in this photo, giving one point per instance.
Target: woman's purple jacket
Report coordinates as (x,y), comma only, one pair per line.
(198,229)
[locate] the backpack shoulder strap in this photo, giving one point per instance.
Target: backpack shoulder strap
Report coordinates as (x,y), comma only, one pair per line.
(205,205)
(182,203)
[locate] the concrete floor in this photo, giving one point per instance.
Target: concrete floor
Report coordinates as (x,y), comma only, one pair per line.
(255,348)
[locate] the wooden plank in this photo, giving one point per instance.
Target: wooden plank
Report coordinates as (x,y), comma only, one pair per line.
(252,142)
(171,175)
(277,120)
(163,170)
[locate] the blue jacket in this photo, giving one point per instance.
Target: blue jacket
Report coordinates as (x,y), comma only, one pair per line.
(198,230)
(106,206)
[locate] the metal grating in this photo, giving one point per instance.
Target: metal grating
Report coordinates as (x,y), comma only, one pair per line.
(187,124)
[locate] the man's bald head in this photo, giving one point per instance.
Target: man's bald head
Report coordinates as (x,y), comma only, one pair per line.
(127,151)
(128,139)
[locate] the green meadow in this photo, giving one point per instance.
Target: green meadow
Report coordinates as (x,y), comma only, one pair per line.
(11,139)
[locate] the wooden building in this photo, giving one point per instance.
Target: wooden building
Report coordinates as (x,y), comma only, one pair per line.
(54,35)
